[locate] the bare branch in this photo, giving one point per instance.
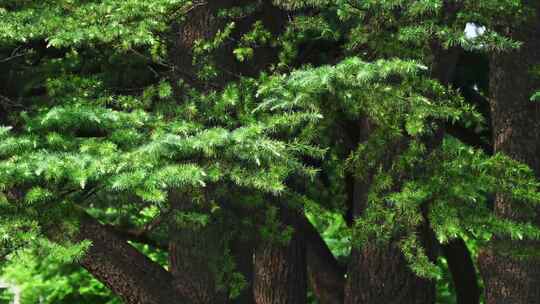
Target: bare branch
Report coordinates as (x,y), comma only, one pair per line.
(14,54)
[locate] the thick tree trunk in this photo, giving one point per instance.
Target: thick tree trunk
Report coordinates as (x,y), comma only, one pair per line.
(325,275)
(280,269)
(385,278)
(196,257)
(280,273)
(196,253)
(516,128)
(380,274)
(128,273)
(377,273)
(202,23)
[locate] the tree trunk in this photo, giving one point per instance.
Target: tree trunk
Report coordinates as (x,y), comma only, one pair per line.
(325,275)
(516,131)
(196,254)
(385,278)
(280,269)
(196,257)
(202,24)
(127,272)
(380,274)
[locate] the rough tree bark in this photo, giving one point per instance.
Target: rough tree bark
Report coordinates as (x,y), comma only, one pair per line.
(379,273)
(127,272)
(280,273)
(516,133)
(243,252)
(196,255)
(280,269)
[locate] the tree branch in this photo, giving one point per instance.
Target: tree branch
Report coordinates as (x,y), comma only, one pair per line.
(326,275)
(129,273)
(13,55)
(463,272)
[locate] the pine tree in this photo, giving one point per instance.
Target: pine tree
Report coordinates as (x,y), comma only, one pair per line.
(222,132)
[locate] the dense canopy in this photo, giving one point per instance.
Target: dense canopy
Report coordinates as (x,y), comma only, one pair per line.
(270,152)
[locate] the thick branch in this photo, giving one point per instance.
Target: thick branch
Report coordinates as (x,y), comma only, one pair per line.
(463,272)
(127,272)
(280,269)
(326,276)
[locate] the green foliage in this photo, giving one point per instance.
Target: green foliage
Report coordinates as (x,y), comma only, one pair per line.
(72,23)
(5,296)
(115,135)
(535,96)
(52,281)
(49,278)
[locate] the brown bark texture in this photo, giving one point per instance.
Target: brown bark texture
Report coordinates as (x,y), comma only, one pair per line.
(380,274)
(385,278)
(280,269)
(196,253)
(516,132)
(202,24)
(128,273)
(195,257)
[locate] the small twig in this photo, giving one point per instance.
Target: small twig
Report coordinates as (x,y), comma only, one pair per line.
(13,55)
(156,74)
